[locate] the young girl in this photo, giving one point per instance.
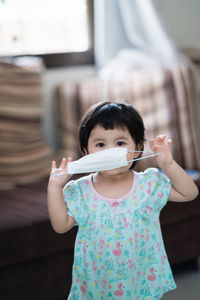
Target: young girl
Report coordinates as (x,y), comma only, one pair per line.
(119,251)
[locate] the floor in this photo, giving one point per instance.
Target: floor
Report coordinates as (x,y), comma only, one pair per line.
(187,278)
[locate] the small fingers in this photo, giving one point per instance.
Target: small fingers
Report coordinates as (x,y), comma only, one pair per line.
(160,139)
(53,166)
(169,142)
(63,163)
(151,143)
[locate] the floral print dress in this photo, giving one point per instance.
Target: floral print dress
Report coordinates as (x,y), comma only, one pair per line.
(119,251)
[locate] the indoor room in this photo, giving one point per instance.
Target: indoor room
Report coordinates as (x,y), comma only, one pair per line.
(61,64)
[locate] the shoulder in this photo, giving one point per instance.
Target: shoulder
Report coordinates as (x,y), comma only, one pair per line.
(152,175)
(158,186)
(148,173)
(77,184)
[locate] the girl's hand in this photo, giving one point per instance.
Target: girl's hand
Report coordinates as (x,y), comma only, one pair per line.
(59,176)
(162,146)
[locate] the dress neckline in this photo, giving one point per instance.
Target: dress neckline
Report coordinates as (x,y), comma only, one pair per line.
(113,201)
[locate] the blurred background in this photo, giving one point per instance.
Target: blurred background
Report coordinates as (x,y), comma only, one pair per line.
(56,59)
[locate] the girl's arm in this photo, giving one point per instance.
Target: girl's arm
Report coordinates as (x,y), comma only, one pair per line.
(183,187)
(60,220)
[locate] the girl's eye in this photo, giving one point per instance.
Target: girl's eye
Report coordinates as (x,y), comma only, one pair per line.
(120,143)
(100,145)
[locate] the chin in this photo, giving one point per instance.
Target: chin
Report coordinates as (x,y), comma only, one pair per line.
(118,171)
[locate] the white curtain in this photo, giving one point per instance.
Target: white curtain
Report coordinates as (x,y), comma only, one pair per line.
(130,36)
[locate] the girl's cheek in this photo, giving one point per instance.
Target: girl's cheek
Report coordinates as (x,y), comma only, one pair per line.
(130,156)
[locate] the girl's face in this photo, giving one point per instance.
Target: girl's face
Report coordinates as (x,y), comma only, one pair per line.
(101,139)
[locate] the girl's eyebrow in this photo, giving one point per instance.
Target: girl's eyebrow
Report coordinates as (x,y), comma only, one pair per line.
(98,139)
(117,138)
(121,138)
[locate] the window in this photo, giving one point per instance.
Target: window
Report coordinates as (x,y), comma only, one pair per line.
(59,31)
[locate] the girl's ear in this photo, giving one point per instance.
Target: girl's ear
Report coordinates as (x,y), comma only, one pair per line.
(139,147)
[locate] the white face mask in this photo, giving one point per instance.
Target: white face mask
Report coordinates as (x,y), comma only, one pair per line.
(103,160)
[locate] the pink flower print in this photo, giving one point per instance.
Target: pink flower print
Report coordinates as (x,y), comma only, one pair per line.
(152,277)
(163,258)
(119,292)
(115,204)
(82,288)
(149,188)
(158,245)
(94,268)
(101,242)
(138,274)
(136,236)
(117,251)
(150,209)
(84,248)
(131,265)
(104,284)
(126,223)
(161,195)
(147,235)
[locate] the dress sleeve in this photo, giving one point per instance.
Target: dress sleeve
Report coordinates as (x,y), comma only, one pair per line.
(160,187)
(74,202)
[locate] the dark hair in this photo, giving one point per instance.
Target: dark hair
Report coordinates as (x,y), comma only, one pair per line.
(111,115)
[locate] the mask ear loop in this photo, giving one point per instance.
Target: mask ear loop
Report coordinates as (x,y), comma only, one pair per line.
(147,156)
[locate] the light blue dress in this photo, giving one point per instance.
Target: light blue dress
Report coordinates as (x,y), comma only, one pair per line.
(119,250)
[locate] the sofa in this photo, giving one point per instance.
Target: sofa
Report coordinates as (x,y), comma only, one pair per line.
(36,262)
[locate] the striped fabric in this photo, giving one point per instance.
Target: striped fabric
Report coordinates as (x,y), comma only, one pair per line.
(168,102)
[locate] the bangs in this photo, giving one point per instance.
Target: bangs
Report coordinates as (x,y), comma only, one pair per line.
(110,119)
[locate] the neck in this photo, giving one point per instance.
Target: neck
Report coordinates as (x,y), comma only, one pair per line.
(109,177)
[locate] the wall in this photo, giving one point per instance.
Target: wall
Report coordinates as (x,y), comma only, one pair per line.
(183,21)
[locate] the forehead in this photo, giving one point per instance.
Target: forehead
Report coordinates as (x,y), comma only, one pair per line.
(100,132)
